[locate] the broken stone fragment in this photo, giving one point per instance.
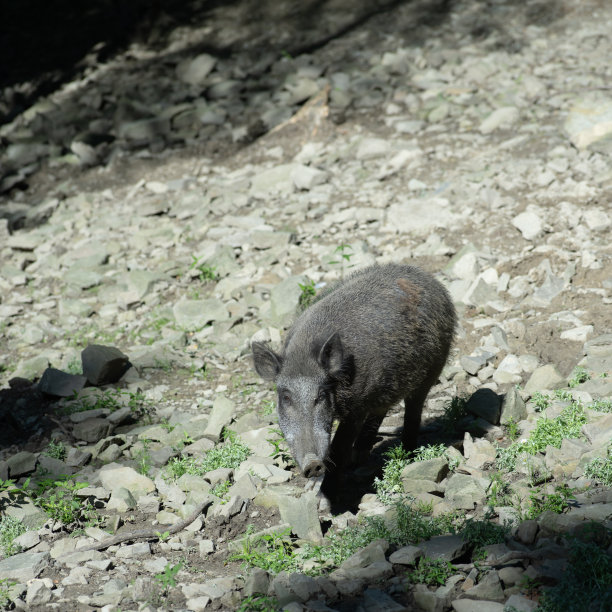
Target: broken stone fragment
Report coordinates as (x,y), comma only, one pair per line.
(61,384)
(103,364)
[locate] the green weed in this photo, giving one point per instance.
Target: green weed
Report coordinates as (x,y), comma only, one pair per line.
(345,257)
(207,273)
(58,499)
(259,603)
(5,594)
(454,411)
(281,452)
(500,491)
(433,572)
(601,405)
(579,375)
(600,469)
(230,454)
(111,399)
(56,450)
(308,294)
(587,582)
(272,552)
(556,502)
(221,489)
(167,578)
(547,432)
(10,528)
(512,430)
(480,533)
(142,456)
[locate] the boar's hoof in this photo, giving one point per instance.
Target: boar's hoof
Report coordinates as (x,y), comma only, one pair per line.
(313,466)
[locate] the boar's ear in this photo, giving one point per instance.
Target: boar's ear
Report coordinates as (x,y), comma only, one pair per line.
(267,363)
(331,355)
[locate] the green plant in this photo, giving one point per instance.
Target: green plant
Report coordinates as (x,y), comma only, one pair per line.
(281,450)
(5,594)
(390,486)
(556,502)
(600,469)
(272,552)
(57,450)
(74,366)
(230,454)
(58,499)
(10,528)
(480,533)
(540,401)
(433,572)
(546,432)
(308,294)
(167,578)
(207,273)
(163,536)
(587,582)
(454,411)
(221,489)
(579,375)
(142,456)
(259,603)
(512,430)
(345,257)
(111,399)
(500,491)
(601,405)
(267,408)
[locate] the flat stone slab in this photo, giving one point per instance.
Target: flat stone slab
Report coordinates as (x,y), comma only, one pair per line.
(24,566)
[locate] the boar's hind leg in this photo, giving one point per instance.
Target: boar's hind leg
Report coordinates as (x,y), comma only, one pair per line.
(412,418)
(367,437)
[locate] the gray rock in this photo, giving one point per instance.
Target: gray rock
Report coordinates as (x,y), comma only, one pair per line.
(520,603)
(427,600)
(222,412)
(61,384)
(478,452)
(486,404)
(464,492)
(290,587)
(529,224)
(284,299)
(54,468)
(527,531)
(195,70)
(407,555)
(374,551)
(599,353)
(544,377)
(470,605)
(489,588)
(430,469)
(589,123)
(599,432)
(501,118)
(133,550)
(193,315)
(121,500)
(258,581)
(103,364)
(38,593)
(513,407)
(31,368)
(302,514)
(114,477)
(92,430)
(21,463)
(24,566)
(379,601)
(307,177)
(446,547)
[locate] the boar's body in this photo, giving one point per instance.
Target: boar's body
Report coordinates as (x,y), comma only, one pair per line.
(379,336)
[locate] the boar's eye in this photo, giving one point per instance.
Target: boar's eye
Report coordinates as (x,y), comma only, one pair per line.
(320,396)
(285,398)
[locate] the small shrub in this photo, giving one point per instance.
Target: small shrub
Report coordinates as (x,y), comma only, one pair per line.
(167,578)
(432,572)
(512,430)
(601,405)
(220,490)
(207,273)
(500,491)
(58,499)
(5,593)
(479,533)
(57,450)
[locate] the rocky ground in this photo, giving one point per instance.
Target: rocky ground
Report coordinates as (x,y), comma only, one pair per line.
(177,200)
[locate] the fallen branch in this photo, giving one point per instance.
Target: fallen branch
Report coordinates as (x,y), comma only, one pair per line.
(149,534)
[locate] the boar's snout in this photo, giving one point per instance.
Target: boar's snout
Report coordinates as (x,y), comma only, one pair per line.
(313,466)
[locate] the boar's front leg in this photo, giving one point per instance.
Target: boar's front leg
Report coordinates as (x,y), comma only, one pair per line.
(367,437)
(412,418)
